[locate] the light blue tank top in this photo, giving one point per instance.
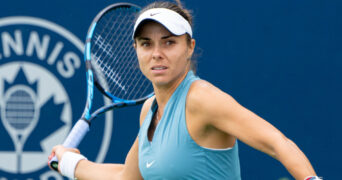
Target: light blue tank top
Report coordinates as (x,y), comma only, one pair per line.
(173,154)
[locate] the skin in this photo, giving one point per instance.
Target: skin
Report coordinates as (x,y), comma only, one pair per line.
(164,60)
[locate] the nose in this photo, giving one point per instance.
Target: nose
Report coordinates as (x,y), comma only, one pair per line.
(157,53)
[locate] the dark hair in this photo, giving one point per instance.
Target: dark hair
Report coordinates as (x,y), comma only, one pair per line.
(178,8)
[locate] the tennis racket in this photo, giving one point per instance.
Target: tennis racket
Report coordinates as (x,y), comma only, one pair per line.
(112,65)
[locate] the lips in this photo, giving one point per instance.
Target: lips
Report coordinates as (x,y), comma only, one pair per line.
(159,67)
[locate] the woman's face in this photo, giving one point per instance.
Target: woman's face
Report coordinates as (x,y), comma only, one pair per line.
(163,58)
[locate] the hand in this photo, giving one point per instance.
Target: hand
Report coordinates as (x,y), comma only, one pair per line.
(58,151)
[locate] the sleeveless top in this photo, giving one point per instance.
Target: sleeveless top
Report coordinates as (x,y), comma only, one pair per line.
(173,154)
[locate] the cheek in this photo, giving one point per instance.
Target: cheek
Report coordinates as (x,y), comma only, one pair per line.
(142,60)
(141,64)
(181,58)
(143,53)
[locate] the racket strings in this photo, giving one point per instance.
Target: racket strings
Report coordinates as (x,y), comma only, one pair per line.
(114,56)
(124,49)
(110,74)
(107,69)
(119,47)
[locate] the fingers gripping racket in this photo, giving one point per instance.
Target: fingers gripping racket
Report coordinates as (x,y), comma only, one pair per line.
(112,65)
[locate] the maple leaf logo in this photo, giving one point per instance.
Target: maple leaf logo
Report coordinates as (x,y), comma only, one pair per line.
(26,122)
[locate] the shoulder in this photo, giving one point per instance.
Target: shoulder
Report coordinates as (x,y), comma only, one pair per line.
(206,100)
(204,87)
(203,92)
(145,108)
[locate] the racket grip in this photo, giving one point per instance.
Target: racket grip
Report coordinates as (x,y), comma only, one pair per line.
(74,138)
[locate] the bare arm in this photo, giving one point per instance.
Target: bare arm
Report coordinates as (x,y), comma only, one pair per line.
(129,171)
(87,170)
(225,114)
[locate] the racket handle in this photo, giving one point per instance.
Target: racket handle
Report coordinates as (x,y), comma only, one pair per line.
(74,138)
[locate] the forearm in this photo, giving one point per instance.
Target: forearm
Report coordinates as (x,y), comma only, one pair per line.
(294,160)
(87,170)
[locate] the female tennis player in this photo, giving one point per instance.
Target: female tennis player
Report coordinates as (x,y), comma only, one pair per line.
(189,129)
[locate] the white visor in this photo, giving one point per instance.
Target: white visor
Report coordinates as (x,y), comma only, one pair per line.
(171,20)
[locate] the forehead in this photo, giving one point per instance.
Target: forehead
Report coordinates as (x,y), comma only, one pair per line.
(149,27)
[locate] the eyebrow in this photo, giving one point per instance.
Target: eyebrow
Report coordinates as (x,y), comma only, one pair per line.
(168,36)
(143,38)
(147,39)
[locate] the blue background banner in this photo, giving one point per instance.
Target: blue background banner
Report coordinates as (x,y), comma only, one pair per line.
(280,59)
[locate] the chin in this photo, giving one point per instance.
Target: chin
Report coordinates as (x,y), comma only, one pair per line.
(160,82)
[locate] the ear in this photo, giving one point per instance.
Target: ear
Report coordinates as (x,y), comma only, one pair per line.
(192,47)
(135,46)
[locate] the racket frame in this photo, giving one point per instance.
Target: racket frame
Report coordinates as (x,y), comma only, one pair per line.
(82,125)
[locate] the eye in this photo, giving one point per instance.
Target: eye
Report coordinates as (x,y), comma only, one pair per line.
(170,42)
(145,44)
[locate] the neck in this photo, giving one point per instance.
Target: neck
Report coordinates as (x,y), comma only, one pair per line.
(163,93)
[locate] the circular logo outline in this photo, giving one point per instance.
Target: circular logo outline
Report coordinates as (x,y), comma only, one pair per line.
(45,24)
